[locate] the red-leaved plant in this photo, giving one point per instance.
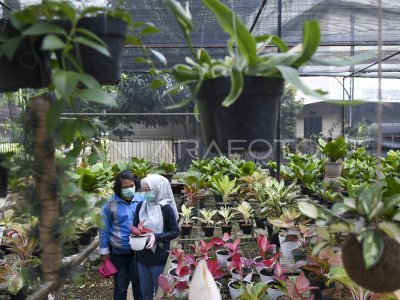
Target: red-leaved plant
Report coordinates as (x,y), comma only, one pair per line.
(220,242)
(214,268)
(268,263)
(169,287)
(238,263)
(182,270)
(279,273)
(140,230)
(265,247)
(179,255)
(295,291)
(233,247)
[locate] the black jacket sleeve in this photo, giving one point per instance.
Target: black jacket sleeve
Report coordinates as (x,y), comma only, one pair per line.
(136,216)
(171,227)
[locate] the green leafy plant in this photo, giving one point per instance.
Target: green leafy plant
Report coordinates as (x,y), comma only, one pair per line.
(186,212)
(207,215)
(226,213)
(224,187)
(94,178)
(335,149)
(253,291)
(378,213)
(245,210)
(168,167)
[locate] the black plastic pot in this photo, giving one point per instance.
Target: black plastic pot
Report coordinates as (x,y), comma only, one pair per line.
(29,67)
(272,238)
(21,295)
(241,222)
(246,228)
(298,254)
(227,229)
(209,231)
(85,238)
(70,248)
(107,70)
(252,119)
(168,176)
(93,231)
(260,222)
(3,178)
(219,205)
(186,229)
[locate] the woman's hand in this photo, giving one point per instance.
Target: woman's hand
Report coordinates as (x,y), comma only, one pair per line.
(151,240)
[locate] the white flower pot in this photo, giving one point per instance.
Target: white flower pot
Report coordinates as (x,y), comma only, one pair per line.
(137,243)
(287,246)
(333,169)
(236,276)
(265,278)
(171,273)
(257,260)
(174,263)
(181,294)
(221,258)
(274,293)
(235,293)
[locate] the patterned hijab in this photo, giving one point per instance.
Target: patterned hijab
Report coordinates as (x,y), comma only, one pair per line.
(151,211)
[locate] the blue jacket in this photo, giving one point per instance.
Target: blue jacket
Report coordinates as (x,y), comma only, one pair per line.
(117,217)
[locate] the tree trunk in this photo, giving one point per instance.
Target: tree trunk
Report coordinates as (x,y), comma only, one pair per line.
(46,191)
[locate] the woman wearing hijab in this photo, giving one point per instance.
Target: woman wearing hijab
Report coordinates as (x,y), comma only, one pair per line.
(159,213)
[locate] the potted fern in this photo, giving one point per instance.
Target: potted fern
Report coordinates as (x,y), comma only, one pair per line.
(334,150)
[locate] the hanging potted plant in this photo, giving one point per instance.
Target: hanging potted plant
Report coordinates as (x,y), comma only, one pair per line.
(371,249)
(334,150)
(246,211)
(186,212)
(227,214)
(139,237)
(248,82)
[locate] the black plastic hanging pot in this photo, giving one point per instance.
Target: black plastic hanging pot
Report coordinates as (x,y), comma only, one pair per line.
(29,66)
(250,122)
(380,278)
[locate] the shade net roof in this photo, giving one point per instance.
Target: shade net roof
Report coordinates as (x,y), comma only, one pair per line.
(348,27)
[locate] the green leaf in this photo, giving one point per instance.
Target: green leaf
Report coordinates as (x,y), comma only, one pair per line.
(149,30)
(53,115)
(340,61)
(8,48)
(291,75)
(96,95)
(274,39)
(311,38)
(88,80)
(86,128)
(155,84)
(391,229)
(236,87)
(308,209)
(339,208)
(65,82)
(67,131)
(159,56)
(236,29)
(184,73)
(140,60)
(52,42)
(91,36)
(96,46)
(43,28)
(372,248)
(318,247)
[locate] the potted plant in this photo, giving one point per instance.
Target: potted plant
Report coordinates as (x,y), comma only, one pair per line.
(228,249)
(182,271)
(174,289)
(186,212)
(168,169)
(240,267)
(253,291)
(139,237)
(207,215)
(224,188)
(227,214)
(298,289)
(370,249)
(215,269)
(335,150)
(267,251)
(246,211)
(248,82)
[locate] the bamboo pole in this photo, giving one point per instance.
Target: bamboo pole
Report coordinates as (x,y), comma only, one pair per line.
(46,191)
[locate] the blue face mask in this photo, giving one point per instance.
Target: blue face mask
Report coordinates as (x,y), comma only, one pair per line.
(149,196)
(128,192)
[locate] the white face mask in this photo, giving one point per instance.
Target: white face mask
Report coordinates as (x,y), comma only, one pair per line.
(128,192)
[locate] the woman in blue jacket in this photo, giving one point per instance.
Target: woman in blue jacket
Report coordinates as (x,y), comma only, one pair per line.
(117,215)
(159,213)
